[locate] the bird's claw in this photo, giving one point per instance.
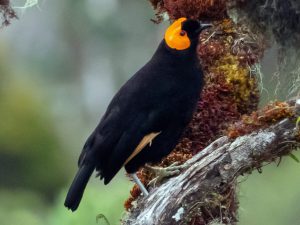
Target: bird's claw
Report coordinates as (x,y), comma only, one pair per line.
(163,172)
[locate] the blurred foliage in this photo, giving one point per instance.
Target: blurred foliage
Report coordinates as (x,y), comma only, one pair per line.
(98,199)
(273,196)
(21,207)
(30,153)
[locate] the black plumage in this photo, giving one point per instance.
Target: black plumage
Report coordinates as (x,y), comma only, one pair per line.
(160,98)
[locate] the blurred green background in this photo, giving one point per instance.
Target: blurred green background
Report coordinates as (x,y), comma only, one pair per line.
(60,64)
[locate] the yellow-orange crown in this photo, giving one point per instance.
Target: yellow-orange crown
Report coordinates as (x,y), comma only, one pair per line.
(177,38)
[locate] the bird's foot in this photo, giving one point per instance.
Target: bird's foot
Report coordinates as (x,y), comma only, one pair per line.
(163,172)
(140,184)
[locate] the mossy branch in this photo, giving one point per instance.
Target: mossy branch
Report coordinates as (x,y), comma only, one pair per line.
(207,188)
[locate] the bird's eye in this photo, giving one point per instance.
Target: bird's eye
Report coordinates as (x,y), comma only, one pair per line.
(182,33)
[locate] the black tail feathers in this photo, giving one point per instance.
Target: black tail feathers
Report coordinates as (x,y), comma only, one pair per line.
(77,187)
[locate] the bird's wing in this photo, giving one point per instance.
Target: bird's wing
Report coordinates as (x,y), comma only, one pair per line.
(143,143)
(141,132)
(89,142)
(106,135)
(133,113)
(119,137)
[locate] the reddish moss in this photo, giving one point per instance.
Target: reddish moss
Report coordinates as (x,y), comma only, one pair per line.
(128,203)
(268,115)
(134,192)
(200,9)
(221,56)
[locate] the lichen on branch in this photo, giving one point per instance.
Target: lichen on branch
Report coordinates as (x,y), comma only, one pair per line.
(7,13)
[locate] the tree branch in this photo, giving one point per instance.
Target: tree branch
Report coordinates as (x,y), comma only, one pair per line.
(207,187)
(6,13)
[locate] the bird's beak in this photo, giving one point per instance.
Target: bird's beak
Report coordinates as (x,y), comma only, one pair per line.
(204,26)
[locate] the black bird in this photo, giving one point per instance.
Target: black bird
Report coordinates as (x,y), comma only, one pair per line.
(145,119)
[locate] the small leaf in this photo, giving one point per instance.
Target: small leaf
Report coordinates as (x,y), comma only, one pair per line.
(298,122)
(101,216)
(294,157)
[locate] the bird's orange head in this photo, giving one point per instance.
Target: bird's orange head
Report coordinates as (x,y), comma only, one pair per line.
(181,33)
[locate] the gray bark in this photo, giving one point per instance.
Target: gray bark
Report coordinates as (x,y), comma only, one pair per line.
(206,190)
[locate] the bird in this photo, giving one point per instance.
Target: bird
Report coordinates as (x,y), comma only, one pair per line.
(146,118)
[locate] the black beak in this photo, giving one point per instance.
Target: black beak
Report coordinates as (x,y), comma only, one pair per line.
(204,26)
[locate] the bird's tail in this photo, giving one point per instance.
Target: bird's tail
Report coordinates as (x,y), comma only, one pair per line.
(77,187)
